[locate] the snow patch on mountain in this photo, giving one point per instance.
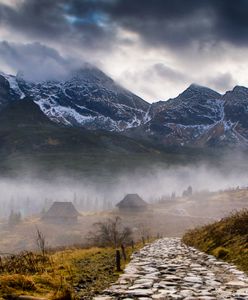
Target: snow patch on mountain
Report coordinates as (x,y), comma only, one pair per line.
(60,114)
(14,85)
(90,99)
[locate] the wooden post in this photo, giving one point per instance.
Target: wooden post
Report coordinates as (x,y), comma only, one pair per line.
(123,252)
(143,241)
(1,265)
(118,260)
(132,244)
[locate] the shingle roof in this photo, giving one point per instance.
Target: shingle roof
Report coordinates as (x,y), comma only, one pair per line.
(62,209)
(132,200)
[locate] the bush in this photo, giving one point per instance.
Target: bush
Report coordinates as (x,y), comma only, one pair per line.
(221,252)
(111,233)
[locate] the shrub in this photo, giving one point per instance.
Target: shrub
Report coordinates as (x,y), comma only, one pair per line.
(221,252)
(111,233)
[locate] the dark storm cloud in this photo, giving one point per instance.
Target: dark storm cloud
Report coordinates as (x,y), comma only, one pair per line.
(194,37)
(66,21)
(41,18)
(158,22)
(181,22)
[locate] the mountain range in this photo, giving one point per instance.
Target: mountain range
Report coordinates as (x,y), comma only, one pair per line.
(90,100)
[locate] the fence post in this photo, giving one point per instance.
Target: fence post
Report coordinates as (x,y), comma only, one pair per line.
(123,252)
(1,265)
(118,260)
(132,245)
(143,241)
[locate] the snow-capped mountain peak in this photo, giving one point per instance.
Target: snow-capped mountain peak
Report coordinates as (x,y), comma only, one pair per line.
(13,85)
(89,98)
(200,116)
(195,90)
(90,74)
(239,88)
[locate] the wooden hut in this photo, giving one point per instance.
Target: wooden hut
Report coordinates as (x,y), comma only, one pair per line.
(61,213)
(132,202)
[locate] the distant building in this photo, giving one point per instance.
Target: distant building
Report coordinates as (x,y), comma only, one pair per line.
(61,213)
(132,202)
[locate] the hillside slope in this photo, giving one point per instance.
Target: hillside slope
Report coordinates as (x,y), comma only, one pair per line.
(29,140)
(28,127)
(226,239)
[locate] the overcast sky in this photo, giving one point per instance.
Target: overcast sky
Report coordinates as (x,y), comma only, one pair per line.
(156,48)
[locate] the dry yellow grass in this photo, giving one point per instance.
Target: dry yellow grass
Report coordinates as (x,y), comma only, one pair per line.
(226,239)
(78,272)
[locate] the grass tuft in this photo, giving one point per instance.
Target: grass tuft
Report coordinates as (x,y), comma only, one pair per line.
(15,282)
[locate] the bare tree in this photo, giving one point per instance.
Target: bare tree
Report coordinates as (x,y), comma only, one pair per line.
(111,233)
(144,230)
(41,241)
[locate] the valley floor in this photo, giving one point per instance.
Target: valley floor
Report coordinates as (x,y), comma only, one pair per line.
(162,265)
(167,218)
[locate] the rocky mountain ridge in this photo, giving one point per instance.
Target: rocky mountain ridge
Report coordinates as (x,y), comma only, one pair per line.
(90,99)
(87,98)
(200,116)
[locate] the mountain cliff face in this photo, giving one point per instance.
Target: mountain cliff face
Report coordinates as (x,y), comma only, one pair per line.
(9,90)
(90,99)
(236,110)
(199,117)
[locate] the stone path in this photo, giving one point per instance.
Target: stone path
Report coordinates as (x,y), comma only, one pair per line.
(167,269)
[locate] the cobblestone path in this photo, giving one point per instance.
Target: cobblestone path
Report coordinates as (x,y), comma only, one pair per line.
(168,269)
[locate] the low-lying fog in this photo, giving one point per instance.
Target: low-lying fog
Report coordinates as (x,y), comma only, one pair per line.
(30,195)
